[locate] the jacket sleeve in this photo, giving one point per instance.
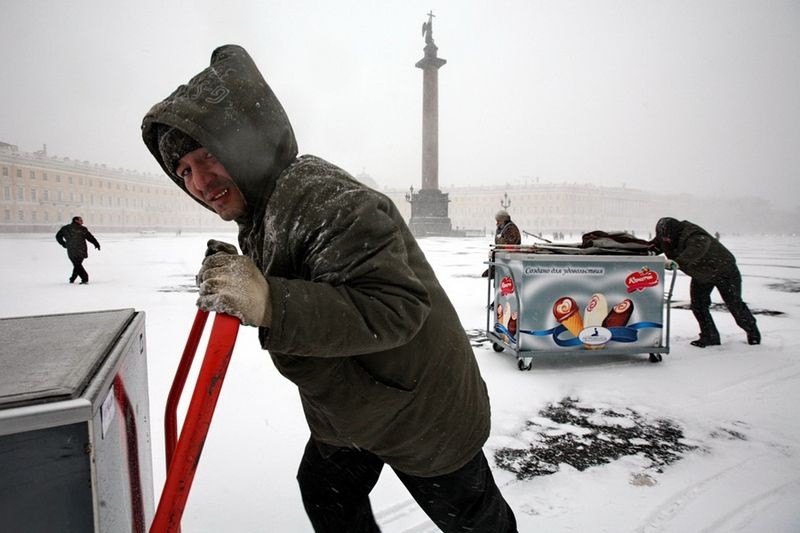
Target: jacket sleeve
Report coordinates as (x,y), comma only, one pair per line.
(697,246)
(359,293)
(511,235)
(91,239)
(61,238)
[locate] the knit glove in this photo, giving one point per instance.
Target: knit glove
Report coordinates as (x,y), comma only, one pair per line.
(214,246)
(234,285)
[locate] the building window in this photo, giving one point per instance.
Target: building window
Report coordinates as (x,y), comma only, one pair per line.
(44,176)
(7,216)
(33,195)
(19,173)
(33,174)
(69,178)
(60,198)
(20,193)
(21,214)
(33,216)
(46,195)
(5,171)
(58,178)
(6,192)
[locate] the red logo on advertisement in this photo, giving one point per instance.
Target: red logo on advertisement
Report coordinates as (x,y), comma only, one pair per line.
(506,286)
(639,281)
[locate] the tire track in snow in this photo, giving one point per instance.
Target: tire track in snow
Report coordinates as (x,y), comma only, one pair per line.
(668,511)
(740,518)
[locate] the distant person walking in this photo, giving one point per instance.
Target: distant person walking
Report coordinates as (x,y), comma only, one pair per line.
(73,237)
(709,264)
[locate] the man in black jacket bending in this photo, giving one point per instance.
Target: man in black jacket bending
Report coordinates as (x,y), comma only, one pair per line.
(73,237)
(709,264)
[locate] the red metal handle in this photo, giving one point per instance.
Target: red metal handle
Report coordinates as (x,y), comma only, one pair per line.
(182,464)
(175,392)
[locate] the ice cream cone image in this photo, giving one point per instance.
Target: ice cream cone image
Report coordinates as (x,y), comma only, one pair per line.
(566,312)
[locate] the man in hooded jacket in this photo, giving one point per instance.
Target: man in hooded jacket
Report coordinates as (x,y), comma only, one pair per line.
(710,264)
(73,237)
(345,301)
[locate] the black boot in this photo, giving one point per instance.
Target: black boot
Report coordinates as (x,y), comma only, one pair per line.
(754,336)
(702,342)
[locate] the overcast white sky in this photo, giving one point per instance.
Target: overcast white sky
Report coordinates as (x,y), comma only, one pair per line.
(690,95)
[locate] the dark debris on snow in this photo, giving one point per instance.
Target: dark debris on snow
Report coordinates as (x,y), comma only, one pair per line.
(591,439)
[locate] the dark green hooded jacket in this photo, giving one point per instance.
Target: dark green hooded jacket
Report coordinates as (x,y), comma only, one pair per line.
(698,254)
(359,321)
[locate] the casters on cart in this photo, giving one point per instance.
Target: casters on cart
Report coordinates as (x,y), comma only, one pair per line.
(655,357)
(497,347)
(525,363)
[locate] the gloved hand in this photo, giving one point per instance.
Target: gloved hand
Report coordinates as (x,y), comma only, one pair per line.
(669,264)
(97,247)
(233,284)
(214,246)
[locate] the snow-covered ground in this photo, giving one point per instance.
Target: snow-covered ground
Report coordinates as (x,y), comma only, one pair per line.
(738,467)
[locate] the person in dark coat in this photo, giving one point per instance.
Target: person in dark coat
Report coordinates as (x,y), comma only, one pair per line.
(73,237)
(507,232)
(345,302)
(706,260)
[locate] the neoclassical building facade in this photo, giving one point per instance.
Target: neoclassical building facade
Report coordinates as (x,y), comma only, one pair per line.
(40,193)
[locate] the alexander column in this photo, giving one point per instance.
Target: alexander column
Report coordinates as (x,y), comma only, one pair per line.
(429,204)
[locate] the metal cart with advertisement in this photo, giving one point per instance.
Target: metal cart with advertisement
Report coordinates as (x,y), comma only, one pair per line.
(547,300)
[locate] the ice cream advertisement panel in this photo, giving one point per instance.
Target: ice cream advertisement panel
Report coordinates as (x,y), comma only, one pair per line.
(547,303)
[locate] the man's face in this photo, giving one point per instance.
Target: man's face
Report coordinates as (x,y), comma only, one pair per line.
(208,181)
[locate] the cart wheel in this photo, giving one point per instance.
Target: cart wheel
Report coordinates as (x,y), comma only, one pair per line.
(521,363)
(655,358)
(497,347)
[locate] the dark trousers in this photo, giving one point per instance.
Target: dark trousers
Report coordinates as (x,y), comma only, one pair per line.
(78,270)
(730,288)
(336,489)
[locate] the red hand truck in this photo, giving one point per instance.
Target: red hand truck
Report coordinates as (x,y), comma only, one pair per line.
(183,453)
